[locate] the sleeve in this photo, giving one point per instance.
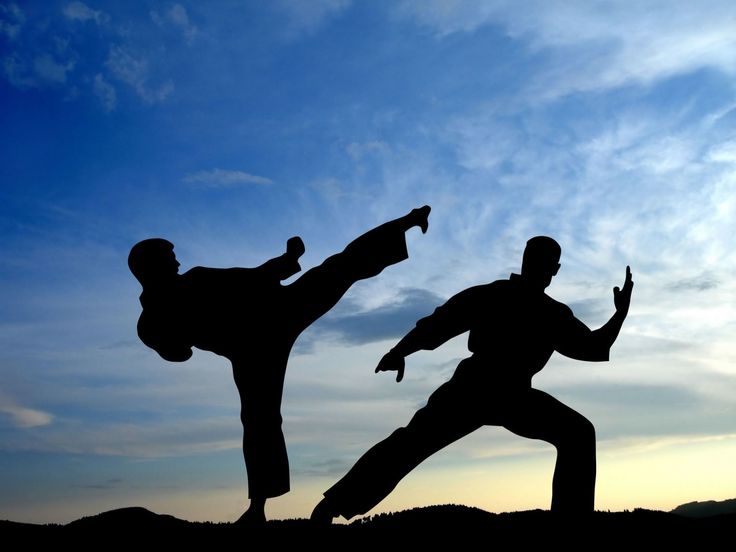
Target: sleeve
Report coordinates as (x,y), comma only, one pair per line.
(273,270)
(158,335)
(575,340)
(447,321)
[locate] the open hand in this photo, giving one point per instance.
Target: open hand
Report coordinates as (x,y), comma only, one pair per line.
(622,297)
(392,361)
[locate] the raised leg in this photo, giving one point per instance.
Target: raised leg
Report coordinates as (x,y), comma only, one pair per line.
(320,288)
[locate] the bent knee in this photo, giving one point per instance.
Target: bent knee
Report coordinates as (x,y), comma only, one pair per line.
(255,421)
(578,432)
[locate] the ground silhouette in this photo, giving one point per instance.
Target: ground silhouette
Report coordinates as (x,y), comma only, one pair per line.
(427,526)
(707,508)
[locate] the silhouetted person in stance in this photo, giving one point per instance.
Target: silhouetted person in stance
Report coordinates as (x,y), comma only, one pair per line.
(514,329)
(249,317)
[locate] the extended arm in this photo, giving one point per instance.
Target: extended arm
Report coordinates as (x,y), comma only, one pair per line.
(286,265)
(583,344)
(608,333)
(446,322)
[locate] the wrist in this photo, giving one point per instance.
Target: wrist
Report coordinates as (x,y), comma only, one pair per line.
(397,352)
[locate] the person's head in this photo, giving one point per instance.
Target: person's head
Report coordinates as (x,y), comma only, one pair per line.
(541,260)
(153,261)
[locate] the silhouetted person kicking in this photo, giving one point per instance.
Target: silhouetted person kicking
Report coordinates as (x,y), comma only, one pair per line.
(249,317)
(514,329)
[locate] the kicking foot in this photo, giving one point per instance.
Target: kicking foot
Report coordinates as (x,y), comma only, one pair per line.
(420,217)
(323,513)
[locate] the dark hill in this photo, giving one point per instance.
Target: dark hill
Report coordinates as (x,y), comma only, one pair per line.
(128,517)
(707,508)
(423,527)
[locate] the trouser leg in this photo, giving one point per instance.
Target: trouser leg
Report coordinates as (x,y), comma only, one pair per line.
(264,447)
(378,471)
(541,416)
(320,288)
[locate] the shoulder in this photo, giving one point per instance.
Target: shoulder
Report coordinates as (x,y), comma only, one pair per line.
(197,271)
(561,309)
(479,292)
(492,290)
(199,274)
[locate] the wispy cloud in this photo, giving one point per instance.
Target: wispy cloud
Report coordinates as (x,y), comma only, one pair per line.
(22,417)
(109,484)
(105,92)
(358,150)
(177,17)
(11,20)
(702,282)
(50,70)
(593,46)
(222,178)
(308,17)
(724,152)
(175,438)
(134,71)
(351,325)
(79,11)
(47,56)
(42,70)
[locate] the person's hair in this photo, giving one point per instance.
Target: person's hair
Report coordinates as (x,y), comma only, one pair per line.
(144,257)
(541,250)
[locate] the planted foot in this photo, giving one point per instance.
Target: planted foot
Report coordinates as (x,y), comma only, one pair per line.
(252,519)
(323,513)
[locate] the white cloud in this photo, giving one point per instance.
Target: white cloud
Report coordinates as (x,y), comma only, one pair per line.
(11,20)
(221,178)
(594,45)
(50,70)
(308,17)
(17,72)
(175,437)
(105,92)
(134,71)
(178,17)
(723,153)
(79,11)
(23,417)
(330,188)
(358,150)
(44,70)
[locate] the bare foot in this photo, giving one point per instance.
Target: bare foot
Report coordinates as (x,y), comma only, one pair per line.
(252,518)
(420,217)
(323,513)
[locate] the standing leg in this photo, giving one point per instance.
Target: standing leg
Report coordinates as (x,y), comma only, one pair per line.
(264,448)
(444,420)
(540,416)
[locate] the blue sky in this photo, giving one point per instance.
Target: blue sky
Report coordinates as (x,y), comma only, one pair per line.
(228,127)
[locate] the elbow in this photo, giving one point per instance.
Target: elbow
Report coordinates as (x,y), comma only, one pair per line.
(175,355)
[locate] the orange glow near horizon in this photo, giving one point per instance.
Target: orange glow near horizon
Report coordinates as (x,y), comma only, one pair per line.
(658,478)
